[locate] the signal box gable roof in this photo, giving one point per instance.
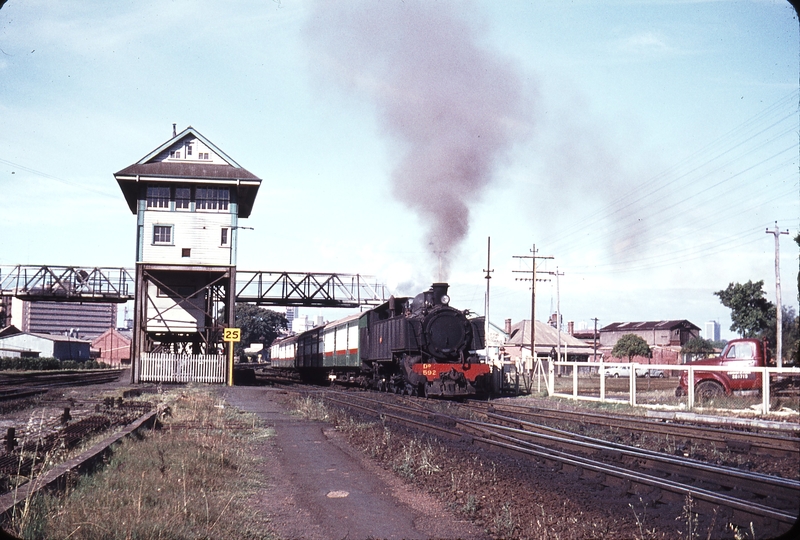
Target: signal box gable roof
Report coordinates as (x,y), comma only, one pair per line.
(649,325)
(204,164)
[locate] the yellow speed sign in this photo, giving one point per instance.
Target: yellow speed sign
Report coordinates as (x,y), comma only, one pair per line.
(232,334)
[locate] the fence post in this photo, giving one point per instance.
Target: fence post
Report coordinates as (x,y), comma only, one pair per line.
(632,385)
(602,381)
(575,380)
(765,390)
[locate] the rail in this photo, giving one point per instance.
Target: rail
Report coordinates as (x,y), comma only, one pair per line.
(750,495)
(788,443)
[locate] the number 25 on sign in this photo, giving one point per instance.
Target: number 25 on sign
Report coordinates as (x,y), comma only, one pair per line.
(232,334)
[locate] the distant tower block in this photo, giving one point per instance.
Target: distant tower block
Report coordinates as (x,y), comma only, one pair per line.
(712,331)
(188,196)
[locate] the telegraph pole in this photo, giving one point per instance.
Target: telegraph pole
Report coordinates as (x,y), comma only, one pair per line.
(532,279)
(778,307)
(558,306)
(488,277)
(558,312)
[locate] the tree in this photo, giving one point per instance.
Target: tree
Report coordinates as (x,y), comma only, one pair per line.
(630,345)
(750,310)
(791,336)
(698,346)
(258,325)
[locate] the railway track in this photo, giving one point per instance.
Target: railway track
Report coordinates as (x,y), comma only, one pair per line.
(26,384)
(657,478)
(781,445)
(28,447)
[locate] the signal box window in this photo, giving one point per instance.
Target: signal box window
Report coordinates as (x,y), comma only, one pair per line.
(183,197)
(212,198)
(225,237)
(157,197)
(162,234)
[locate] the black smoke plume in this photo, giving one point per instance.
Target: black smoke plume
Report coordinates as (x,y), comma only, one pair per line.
(451,106)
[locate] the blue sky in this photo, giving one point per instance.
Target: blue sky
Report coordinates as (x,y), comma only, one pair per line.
(646,146)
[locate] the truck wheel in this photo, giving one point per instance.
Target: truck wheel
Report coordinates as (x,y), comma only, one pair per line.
(708,390)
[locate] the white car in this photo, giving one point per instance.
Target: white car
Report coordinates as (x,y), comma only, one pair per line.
(618,371)
(652,372)
(625,371)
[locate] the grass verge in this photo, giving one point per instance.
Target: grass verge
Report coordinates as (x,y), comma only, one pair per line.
(190,479)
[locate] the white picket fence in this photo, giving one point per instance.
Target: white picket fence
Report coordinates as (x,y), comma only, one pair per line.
(182,368)
(542,374)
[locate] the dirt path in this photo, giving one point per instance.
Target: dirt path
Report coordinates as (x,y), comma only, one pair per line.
(318,488)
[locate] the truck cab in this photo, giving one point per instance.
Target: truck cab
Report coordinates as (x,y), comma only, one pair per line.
(738,353)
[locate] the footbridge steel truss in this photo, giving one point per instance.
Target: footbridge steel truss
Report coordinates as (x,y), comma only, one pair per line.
(313,289)
(117,285)
(67,283)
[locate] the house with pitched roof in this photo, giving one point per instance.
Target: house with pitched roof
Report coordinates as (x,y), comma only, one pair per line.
(655,333)
(665,338)
(548,340)
(16,344)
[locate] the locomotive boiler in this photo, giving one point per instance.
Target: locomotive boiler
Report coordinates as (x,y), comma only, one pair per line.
(418,346)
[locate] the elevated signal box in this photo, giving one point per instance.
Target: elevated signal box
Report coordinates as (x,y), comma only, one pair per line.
(188,197)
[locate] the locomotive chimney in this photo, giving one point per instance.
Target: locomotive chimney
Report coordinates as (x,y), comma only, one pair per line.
(439,290)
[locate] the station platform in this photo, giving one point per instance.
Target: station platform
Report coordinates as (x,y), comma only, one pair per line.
(320,488)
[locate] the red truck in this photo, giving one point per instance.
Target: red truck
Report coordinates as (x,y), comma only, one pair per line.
(738,353)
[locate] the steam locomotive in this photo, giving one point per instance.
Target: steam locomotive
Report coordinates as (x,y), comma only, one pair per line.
(416,346)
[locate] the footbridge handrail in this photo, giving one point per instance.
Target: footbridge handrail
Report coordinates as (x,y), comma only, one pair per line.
(67,283)
(108,284)
(308,289)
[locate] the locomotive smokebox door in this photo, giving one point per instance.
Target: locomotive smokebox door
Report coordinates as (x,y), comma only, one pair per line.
(447,333)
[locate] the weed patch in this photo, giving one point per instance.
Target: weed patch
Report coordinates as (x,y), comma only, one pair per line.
(190,479)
